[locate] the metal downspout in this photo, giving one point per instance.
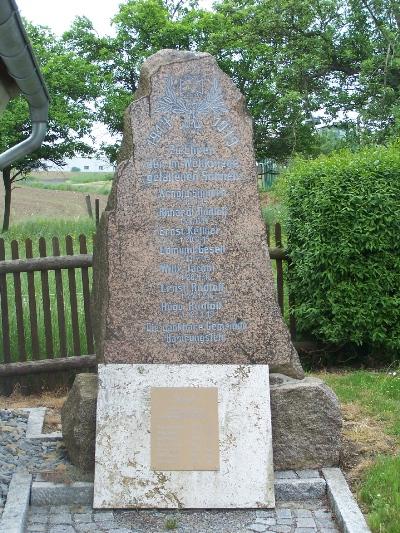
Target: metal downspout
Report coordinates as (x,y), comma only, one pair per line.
(17,55)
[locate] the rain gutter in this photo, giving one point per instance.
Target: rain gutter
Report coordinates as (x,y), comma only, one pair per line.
(19,60)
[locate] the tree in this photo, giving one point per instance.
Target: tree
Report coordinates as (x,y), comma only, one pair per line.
(142,28)
(294,61)
(73,83)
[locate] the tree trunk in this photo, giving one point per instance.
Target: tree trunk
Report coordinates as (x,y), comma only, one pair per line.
(7,198)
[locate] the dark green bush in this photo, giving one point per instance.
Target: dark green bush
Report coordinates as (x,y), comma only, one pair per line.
(343,229)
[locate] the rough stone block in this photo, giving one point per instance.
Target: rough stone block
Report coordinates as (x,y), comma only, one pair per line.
(78,418)
(306,424)
(182,233)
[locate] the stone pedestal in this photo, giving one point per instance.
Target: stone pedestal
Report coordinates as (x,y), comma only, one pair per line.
(124,476)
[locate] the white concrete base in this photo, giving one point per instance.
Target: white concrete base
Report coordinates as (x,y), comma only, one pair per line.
(123,478)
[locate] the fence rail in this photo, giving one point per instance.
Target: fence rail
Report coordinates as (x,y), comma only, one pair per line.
(45,302)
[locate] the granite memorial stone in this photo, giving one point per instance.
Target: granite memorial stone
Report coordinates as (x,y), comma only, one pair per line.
(181,269)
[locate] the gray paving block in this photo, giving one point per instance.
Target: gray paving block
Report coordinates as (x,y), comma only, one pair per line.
(83,517)
(306,522)
(345,508)
(299,489)
(284,513)
(265,514)
(38,519)
(61,529)
(303,513)
(15,512)
(61,518)
(266,521)
(285,474)
(308,474)
(36,528)
(258,528)
(282,529)
(103,516)
(47,493)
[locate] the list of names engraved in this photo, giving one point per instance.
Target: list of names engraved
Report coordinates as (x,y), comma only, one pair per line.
(192,185)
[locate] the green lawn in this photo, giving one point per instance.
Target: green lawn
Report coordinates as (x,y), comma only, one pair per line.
(376,395)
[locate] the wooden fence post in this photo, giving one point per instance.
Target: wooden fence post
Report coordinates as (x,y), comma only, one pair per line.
(89,205)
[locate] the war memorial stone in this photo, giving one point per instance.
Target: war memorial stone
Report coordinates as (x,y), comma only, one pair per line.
(181,267)
(187,324)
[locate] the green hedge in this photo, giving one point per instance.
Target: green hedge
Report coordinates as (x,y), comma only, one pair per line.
(343,229)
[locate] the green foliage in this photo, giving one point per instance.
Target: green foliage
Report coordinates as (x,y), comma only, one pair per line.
(49,228)
(75,169)
(171,523)
(343,223)
(292,60)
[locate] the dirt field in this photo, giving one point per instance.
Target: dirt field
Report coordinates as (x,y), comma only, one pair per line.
(29,202)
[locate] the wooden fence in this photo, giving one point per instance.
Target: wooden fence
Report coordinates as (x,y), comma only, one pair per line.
(45,303)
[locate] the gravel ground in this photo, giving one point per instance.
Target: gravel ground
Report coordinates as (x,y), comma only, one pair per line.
(17,452)
(290,517)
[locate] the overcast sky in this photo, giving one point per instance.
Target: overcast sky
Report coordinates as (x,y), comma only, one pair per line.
(58,14)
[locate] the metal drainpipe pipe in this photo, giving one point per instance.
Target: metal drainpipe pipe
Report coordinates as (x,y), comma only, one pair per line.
(17,55)
(25,147)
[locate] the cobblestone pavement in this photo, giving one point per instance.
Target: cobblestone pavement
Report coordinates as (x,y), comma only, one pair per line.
(18,452)
(290,517)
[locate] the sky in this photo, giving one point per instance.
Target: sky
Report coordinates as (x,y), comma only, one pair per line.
(59,14)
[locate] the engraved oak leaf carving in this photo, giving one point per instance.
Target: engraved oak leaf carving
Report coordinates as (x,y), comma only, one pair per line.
(213,102)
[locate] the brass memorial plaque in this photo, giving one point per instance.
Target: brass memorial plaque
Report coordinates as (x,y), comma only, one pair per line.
(184,428)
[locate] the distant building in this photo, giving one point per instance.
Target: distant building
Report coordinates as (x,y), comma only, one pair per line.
(85,164)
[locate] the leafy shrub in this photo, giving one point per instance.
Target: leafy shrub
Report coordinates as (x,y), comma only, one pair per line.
(343,230)
(75,169)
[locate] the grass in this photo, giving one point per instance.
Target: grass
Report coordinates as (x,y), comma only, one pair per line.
(92,182)
(47,229)
(374,399)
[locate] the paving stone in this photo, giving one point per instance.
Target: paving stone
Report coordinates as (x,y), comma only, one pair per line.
(284,521)
(109,524)
(38,519)
(61,518)
(56,509)
(62,529)
(103,516)
(266,521)
(303,513)
(83,517)
(304,530)
(87,528)
(120,530)
(285,474)
(265,514)
(282,529)
(259,528)
(284,513)
(40,510)
(306,522)
(307,474)
(37,528)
